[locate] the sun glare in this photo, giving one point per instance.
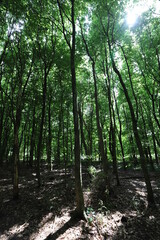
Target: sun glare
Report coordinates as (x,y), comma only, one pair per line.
(131,18)
(133,11)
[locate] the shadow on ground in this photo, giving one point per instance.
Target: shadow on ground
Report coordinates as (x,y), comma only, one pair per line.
(44,213)
(24,218)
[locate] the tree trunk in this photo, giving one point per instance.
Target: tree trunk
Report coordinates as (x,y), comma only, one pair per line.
(112,134)
(82,132)
(32,143)
(90,132)
(49,148)
(154,112)
(99,129)
(130,79)
(39,147)
(120,135)
(1,130)
(154,141)
(135,130)
(60,119)
(78,175)
(16,153)
(24,149)
(145,136)
(115,168)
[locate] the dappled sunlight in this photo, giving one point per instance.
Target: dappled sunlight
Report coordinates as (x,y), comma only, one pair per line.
(15,230)
(79,120)
(46,219)
(136,226)
(49,225)
(43,231)
(5,180)
(110,223)
(6,188)
(46,211)
(140,192)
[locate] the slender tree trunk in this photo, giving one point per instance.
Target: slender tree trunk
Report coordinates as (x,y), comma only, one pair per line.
(130,79)
(99,128)
(39,147)
(67,137)
(90,132)
(78,175)
(150,158)
(152,96)
(60,120)
(71,147)
(64,154)
(32,143)
(120,135)
(24,149)
(112,137)
(154,141)
(154,112)
(131,140)
(49,148)
(82,132)
(5,137)
(115,168)
(155,149)
(16,160)
(16,153)
(4,146)
(135,130)
(1,130)
(148,153)
(28,139)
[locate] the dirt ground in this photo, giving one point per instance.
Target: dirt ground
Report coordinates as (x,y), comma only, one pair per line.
(44,213)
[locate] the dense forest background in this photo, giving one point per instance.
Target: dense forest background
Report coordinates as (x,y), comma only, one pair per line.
(79,86)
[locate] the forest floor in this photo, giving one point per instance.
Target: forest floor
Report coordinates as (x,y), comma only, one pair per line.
(44,213)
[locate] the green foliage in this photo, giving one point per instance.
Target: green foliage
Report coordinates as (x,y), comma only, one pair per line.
(92,171)
(90,214)
(32,41)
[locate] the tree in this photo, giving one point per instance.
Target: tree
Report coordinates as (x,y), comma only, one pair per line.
(78,177)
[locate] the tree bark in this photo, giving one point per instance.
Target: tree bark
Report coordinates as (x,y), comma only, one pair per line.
(78,175)
(16,153)
(39,146)
(49,147)
(145,136)
(1,130)
(99,128)
(150,196)
(32,143)
(82,132)
(120,135)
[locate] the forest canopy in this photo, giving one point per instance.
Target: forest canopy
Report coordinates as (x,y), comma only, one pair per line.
(79,84)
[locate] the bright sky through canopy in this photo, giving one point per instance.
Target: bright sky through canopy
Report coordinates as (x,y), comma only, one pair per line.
(133,11)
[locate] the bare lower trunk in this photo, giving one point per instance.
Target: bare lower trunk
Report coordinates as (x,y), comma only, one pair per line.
(32,144)
(16,152)
(78,174)
(39,147)
(16,161)
(136,134)
(49,148)
(82,132)
(134,120)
